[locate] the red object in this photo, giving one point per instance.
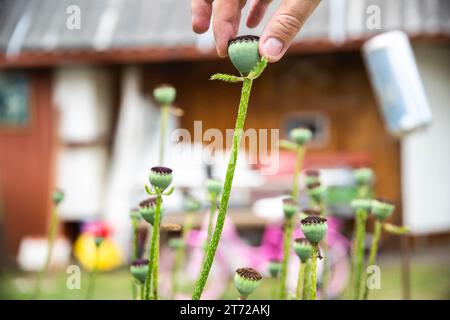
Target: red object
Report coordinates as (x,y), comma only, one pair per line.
(98,229)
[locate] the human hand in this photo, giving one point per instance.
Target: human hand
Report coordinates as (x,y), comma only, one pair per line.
(277,35)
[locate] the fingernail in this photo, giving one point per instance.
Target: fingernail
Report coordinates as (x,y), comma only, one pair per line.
(273,47)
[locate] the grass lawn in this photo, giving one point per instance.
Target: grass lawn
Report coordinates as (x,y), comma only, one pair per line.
(429,280)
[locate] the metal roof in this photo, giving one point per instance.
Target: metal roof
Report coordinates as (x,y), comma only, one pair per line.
(40,25)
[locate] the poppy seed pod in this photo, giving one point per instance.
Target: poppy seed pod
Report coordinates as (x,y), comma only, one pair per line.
(139,269)
(382,209)
(312,177)
(147,209)
(290,207)
(57,197)
(316,191)
(165,94)
(363,176)
(246,280)
(274,267)
(303,249)
(214,187)
(300,136)
(135,214)
(361,204)
(314,228)
(160,177)
(244,53)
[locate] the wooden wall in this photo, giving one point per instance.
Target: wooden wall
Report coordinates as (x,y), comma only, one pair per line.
(26,157)
(335,84)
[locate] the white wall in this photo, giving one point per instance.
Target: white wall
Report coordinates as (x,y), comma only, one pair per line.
(84,100)
(426,154)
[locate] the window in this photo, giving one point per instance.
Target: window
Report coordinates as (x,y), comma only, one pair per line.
(14,108)
(318,123)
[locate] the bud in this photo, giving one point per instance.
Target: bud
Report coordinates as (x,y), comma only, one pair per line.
(290,207)
(139,269)
(303,249)
(300,136)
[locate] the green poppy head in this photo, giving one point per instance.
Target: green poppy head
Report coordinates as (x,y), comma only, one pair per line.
(312,177)
(246,280)
(361,204)
(214,187)
(139,269)
(57,196)
(290,207)
(274,267)
(160,177)
(382,209)
(147,209)
(314,228)
(244,53)
(165,94)
(363,176)
(303,249)
(301,136)
(316,192)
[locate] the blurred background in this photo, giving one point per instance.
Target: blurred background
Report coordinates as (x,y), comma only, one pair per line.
(77,113)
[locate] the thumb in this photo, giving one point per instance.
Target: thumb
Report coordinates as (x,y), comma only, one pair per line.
(284,26)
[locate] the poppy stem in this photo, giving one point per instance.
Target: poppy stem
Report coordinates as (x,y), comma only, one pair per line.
(373,251)
(300,280)
(237,137)
(313,284)
(361,217)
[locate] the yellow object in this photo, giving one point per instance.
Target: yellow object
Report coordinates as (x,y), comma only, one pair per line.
(109,255)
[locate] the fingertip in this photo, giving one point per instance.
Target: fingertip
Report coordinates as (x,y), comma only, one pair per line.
(199,26)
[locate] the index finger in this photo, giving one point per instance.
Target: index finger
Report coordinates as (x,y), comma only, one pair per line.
(227,15)
(201,15)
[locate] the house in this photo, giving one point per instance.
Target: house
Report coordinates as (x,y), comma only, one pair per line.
(76,112)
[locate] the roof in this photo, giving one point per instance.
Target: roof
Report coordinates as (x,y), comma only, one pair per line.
(30,26)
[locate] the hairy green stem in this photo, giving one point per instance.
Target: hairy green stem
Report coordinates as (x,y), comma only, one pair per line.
(373,251)
(300,280)
(306,294)
(163,132)
(326,265)
(155,269)
(361,217)
(297,170)
(313,284)
(288,227)
(152,256)
(237,137)
(51,235)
